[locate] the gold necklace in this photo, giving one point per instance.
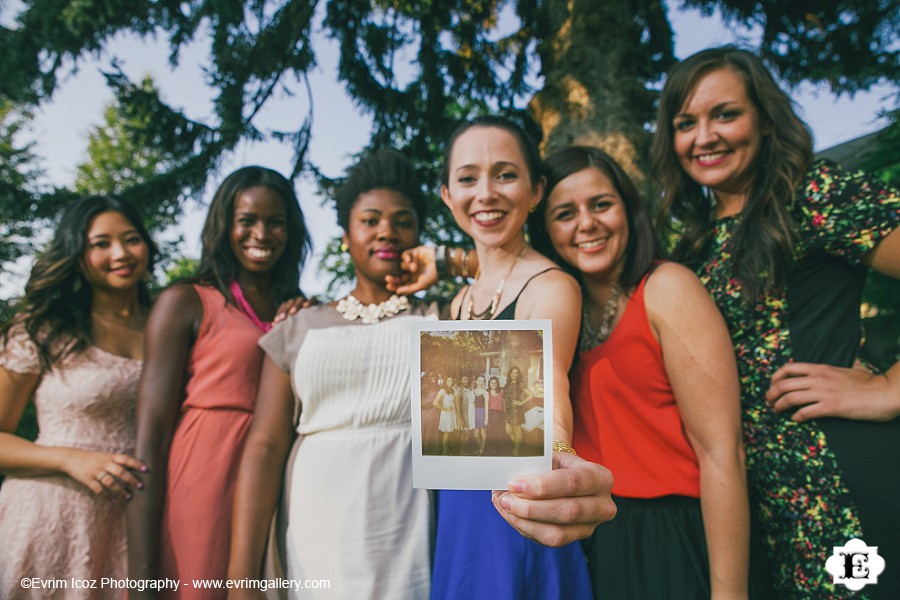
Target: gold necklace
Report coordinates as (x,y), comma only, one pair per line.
(491,310)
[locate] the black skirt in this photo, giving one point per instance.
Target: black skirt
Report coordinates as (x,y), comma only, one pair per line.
(655,549)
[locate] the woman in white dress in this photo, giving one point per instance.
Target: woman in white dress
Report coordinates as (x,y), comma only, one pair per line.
(445,401)
(338,375)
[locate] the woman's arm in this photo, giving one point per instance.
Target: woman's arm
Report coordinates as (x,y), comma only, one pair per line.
(420,270)
(699,361)
(556,296)
(104,473)
(885,256)
(855,393)
(171,330)
(567,503)
(438,400)
(261,475)
(526,397)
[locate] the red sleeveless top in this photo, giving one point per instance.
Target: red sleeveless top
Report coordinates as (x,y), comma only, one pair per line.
(626,417)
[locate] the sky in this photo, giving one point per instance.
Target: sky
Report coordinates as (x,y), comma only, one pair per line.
(340,129)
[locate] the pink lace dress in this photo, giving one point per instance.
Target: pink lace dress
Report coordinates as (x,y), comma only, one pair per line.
(52,527)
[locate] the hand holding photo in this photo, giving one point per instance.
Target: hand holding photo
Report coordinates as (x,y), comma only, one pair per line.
(482,402)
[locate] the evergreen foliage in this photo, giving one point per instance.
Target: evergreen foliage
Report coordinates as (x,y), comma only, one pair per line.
(572,70)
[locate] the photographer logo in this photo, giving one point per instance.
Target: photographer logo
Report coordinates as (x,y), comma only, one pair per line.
(855,565)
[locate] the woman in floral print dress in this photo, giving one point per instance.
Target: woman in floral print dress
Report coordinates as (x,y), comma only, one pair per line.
(783,245)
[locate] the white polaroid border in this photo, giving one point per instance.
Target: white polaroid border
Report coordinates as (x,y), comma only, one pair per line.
(477,472)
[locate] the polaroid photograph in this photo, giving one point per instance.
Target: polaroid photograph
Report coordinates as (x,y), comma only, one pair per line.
(482,402)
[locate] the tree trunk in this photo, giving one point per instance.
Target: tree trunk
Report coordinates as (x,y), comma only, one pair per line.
(593,94)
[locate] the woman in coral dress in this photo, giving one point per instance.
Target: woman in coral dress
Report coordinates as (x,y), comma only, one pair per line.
(198,389)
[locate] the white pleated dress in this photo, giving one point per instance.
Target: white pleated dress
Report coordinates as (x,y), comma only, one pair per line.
(352,514)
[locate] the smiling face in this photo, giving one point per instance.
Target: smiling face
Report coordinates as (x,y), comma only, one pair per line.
(259,229)
(587,223)
(718,134)
(490,189)
(494,384)
(382,224)
(479,383)
(116,256)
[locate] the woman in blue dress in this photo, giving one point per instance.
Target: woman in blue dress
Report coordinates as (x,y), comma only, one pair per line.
(490,181)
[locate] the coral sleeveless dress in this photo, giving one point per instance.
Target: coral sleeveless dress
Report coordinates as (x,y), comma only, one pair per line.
(223,375)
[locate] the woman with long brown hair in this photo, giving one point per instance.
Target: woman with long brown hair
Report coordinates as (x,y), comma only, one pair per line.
(76,347)
(783,245)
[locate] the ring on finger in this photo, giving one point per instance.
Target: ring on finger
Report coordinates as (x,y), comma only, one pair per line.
(102,475)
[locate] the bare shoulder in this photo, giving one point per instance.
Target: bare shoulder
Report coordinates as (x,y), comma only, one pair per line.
(177,304)
(672,285)
(677,301)
(543,273)
(180,295)
(549,290)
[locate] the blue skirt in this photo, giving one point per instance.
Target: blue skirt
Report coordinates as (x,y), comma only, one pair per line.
(479,555)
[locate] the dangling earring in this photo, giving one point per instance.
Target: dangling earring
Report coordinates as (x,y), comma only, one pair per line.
(533,207)
(76,284)
(344,247)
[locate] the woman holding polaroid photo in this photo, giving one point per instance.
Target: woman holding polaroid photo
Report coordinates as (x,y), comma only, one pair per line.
(490,181)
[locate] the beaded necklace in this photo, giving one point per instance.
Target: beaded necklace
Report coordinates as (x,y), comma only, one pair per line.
(353,309)
(590,337)
(491,310)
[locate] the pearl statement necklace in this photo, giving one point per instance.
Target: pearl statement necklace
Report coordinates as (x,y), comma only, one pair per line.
(353,309)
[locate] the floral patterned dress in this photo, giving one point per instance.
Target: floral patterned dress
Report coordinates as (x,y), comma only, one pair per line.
(814,485)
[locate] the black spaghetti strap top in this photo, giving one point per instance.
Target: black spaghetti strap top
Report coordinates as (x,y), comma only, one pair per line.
(509,313)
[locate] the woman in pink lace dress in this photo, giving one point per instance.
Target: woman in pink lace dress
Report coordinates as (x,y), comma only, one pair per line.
(75,347)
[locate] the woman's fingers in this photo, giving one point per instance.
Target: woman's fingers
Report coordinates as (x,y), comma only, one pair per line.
(113,476)
(561,506)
